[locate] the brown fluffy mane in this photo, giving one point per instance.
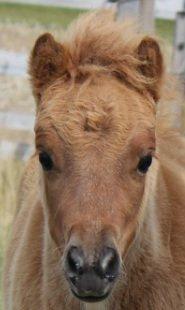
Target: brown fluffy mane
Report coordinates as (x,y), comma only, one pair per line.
(98,42)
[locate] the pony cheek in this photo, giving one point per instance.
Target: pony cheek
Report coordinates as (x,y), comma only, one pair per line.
(56,227)
(127,238)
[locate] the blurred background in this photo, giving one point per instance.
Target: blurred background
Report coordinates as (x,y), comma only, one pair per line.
(21,22)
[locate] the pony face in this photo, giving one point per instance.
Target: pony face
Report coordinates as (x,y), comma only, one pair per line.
(95,139)
(95,147)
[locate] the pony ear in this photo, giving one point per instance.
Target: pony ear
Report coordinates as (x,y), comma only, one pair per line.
(151,66)
(47,63)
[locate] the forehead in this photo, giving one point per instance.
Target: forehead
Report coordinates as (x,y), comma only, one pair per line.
(100,107)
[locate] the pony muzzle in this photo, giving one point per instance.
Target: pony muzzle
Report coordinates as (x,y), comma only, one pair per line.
(91,281)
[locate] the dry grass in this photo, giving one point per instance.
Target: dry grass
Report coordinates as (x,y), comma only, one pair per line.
(16,94)
(10,172)
(20,36)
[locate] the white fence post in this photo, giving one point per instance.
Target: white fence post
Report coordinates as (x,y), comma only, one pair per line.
(127,8)
(178,62)
(143,10)
(146,14)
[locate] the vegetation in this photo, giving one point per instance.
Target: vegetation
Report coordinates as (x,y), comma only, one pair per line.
(39,14)
(10,171)
(165,29)
(44,15)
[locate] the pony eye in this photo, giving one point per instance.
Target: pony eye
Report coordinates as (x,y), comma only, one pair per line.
(46,161)
(144,164)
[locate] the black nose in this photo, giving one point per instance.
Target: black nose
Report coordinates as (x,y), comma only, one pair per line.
(75,261)
(92,281)
(108,264)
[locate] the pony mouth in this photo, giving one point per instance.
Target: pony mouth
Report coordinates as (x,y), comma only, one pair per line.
(90,298)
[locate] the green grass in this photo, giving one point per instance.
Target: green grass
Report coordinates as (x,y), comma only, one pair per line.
(165,29)
(32,14)
(46,15)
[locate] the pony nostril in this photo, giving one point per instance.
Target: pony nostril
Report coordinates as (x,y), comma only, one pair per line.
(73,279)
(109,263)
(75,261)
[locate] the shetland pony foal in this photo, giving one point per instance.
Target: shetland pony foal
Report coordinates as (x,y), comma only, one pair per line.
(94,223)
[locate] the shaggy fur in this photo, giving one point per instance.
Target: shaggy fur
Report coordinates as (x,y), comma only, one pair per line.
(97,94)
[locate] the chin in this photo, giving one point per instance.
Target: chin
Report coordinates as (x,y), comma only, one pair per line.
(91,299)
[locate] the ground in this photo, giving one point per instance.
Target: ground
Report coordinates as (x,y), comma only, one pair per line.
(20,25)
